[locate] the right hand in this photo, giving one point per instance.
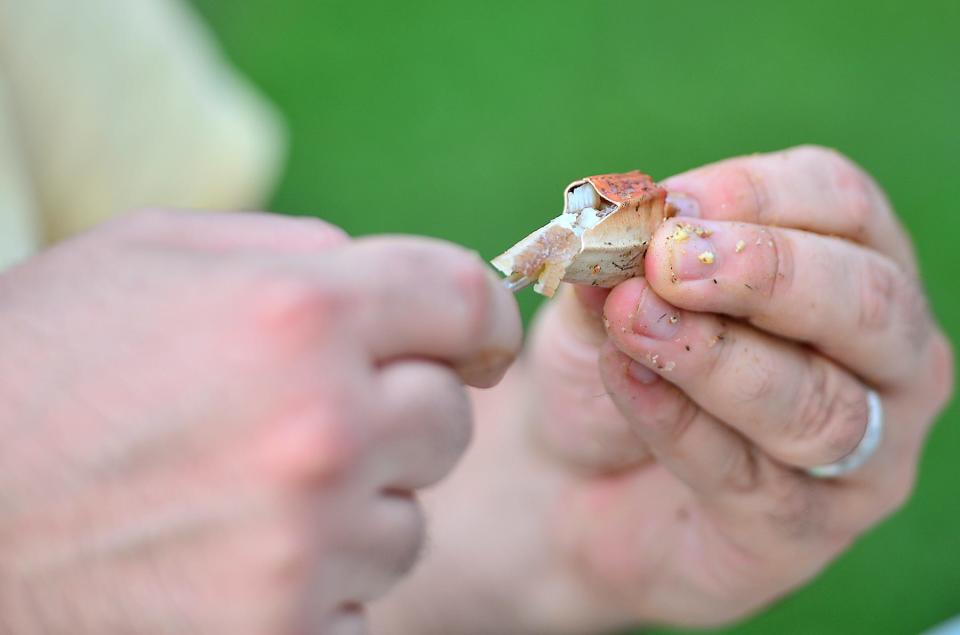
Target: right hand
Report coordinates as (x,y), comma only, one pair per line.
(214,423)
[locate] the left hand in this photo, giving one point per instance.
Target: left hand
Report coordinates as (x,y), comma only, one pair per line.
(666,483)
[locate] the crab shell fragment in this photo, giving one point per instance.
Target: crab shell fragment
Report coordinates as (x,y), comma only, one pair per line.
(600,239)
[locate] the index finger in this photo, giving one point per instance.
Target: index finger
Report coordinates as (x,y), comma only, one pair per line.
(807,187)
(416,297)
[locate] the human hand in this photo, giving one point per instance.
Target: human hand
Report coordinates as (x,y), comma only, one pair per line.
(215,423)
(665,483)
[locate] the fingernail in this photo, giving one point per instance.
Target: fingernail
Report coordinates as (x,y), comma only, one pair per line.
(641,373)
(693,255)
(682,205)
(655,318)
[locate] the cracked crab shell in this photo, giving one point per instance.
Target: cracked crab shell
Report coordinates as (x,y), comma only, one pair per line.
(604,253)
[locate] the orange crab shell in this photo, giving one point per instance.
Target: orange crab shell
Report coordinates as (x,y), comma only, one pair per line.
(621,188)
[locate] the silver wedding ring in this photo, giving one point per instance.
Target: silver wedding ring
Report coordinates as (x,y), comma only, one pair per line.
(868,445)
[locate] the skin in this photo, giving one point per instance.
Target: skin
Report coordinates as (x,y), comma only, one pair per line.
(643,463)
(217,423)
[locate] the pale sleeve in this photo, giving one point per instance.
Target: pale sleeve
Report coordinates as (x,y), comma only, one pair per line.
(122,104)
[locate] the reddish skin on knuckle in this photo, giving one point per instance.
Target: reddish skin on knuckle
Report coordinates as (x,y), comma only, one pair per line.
(292,311)
(309,450)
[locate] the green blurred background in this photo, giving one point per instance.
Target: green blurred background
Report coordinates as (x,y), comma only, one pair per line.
(465,120)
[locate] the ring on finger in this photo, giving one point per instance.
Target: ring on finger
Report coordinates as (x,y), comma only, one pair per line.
(868,445)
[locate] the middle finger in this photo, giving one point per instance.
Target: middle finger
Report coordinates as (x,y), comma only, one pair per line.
(424,424)
(796,405)
(855,305)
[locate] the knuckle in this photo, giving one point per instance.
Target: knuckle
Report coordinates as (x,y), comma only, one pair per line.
(857,199)
(855,191)
(311,450)
(831,413)
(756,383)
(812,411)
(889,299)
(457,274)
(850,413)
(754,197)
(285,306)
(878,293)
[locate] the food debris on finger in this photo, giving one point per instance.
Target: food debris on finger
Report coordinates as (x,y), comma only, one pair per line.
(599,239)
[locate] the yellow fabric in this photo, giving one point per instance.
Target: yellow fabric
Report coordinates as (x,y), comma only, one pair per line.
(111,105)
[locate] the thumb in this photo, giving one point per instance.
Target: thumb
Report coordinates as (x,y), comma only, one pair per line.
(582,307)
(575,418)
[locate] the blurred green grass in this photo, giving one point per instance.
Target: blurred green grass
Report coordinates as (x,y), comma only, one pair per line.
(464,120)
